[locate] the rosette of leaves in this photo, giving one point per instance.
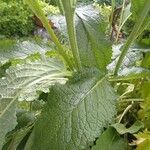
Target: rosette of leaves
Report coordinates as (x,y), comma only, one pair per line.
(79,102)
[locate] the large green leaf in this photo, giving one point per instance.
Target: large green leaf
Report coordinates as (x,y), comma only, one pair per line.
(110,140)
(22,82)
(14,49)
(74,115)
(94,48)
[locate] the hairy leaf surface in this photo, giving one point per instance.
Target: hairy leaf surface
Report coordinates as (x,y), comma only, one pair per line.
(75,115)
(94,47)
(22,82)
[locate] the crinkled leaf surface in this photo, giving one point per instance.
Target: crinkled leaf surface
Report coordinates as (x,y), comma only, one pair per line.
(16,49)
(74,115)
(95,49)
(110,140)
(22,82)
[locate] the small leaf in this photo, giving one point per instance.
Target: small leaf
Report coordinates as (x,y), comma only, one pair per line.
(110,140)
(121,129)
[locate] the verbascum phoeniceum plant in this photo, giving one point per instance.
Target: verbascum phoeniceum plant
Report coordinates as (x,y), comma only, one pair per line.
(74,84)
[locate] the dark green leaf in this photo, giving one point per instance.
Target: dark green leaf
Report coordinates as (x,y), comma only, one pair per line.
(95,49)
(74,115)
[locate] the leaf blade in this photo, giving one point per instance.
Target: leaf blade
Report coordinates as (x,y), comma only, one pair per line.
(22,82)
(78,115)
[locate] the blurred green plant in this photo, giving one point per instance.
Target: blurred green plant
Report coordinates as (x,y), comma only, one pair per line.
(16,19)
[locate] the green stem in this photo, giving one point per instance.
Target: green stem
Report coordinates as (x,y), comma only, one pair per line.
(133,34)
(69,14)
(36,8)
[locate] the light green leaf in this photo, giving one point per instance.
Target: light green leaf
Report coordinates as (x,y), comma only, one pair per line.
(22,82)
(121,129)
(110,140)
(19,49)
(75,115)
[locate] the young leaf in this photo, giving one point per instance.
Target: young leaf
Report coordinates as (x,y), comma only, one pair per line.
(75,115)
(110,140)
(121,129)
(22,82)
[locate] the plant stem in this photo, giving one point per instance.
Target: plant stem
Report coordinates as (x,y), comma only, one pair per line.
(120,21)
(34,5)
(125,111)
(133,35)
(69,14)
(112,14)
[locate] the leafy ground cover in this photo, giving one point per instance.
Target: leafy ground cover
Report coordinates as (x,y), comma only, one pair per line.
(87,88)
